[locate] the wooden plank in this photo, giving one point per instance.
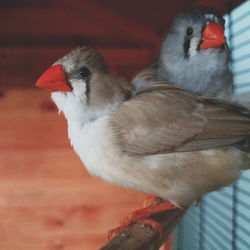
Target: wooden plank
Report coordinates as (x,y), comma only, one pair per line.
(222,6)
(29,119)
(48,200)
(124,25)
(50,21)
(21,67)
(57,201)
(33,24)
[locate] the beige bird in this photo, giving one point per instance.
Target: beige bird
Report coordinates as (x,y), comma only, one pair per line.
(157,139)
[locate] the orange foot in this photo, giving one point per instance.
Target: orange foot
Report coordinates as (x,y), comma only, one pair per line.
(141,217)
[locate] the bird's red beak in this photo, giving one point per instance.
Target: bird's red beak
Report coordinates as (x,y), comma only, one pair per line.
(213,36)
(54,79)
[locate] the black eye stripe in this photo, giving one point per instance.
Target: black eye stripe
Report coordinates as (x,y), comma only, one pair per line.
(87,91)
(186,47)
(68,82)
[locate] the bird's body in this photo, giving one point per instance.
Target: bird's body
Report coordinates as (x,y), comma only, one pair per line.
(159,140)
(179,178)
(194,54)
(207,75)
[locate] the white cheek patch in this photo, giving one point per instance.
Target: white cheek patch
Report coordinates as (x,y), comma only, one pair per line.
(193,46)
(79,89)
(59,99)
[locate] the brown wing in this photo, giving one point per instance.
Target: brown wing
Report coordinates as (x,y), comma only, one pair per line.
(164,119)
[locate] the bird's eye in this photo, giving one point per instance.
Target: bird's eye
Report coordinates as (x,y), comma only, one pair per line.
(83,73)
(189,31)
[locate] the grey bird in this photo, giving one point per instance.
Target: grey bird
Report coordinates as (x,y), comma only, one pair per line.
(194,54)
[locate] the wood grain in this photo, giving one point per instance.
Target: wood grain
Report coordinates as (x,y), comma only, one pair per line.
(47,199)
(21,66)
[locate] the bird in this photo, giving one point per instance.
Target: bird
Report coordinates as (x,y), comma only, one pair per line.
(194,54)
(161,139)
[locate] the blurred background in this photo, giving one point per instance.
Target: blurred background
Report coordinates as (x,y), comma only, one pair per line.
(47,199)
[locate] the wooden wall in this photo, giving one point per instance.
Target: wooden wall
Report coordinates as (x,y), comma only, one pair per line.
(21,67)
(48,201)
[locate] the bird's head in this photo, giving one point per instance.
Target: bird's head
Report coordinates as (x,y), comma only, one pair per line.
(194,47)
(81,87)
(197,29)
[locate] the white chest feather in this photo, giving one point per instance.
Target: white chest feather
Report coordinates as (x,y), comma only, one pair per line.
(94,145)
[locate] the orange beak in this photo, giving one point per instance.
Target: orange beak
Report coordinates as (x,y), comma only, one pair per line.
(213,36)
(54,79)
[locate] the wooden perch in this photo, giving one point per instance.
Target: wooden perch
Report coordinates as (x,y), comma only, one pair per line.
(143,237)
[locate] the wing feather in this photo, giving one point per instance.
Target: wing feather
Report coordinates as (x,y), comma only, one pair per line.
(163,118)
